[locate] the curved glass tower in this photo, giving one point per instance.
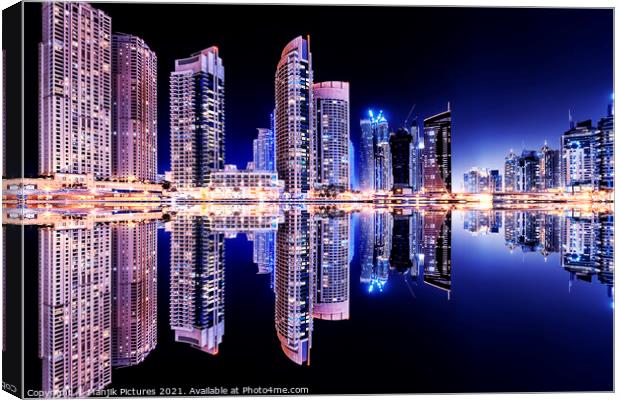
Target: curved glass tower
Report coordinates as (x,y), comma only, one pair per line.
(293,116)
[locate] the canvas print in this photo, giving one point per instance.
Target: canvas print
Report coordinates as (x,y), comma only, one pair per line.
(226,199)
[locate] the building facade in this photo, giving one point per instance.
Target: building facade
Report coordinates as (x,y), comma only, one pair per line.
(549,168)
(294,280)
(293,116)
(134,292)
(197,283)
(437,153)
(134,109)
(605,154)
(367,156)
(401,147)
(330,252)
(382,153)
(527,176)
(197,118)
(579,157)
(75,325)
(330,167)
(75,93)
(264,150)
(510,172)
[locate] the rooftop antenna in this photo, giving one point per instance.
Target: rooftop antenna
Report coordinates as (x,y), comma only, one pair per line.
(571,124)
(448,106)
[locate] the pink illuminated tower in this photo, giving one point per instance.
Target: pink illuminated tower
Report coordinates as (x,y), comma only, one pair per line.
(330,253)
(75,317)
(75,97)
(330,153)
(134,292)
(134,109)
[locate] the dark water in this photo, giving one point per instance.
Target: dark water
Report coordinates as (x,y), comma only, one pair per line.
(335,300)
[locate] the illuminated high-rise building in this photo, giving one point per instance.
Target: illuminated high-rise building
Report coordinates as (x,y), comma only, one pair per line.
(382,153)
(134,292)
(75,308)
(330,152)
(605,153)
(197,283)
(330,253)
(197,123)
(264,150)
(75,96)
(527,177)
(437,153)
(510,172)
(293,116)
(367,156)
(134,109)
(402,146)
(579,152)
(549,168)
(294,279)
(416,156)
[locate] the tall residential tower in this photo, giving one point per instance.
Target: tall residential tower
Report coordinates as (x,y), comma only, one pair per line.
(293,116)
(75,96)
(330,153)
(134,109)
(197,127)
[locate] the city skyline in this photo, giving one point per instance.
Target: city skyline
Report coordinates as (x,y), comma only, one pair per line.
(588,101)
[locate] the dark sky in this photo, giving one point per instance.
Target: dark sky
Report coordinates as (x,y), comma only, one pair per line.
(510,74)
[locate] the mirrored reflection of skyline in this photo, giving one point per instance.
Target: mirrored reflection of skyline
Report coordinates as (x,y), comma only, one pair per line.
(98,273)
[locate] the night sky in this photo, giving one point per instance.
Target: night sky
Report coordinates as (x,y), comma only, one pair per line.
(510,74)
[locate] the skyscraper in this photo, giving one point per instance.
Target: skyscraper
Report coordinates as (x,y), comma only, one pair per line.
(416,156)
(134,292)
(401,147)
(579,151)
(330,152)
(330,252)
(437,153)
(197,123)
(367,156)
(75,96)
(197,283)
(527,176)
(549,168)
(75,324)
(382,153)
(294,279)
(134,108)
(293,116)
(264,150)
(510,172)
(495,181)
(605,153)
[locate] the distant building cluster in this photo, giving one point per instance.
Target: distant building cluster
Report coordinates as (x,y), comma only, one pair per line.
(405,161)
(584,162)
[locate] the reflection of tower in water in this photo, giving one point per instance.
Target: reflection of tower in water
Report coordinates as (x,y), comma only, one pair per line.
(436,249)
(293,286)
(587,247)
(330,254)
(75,321)
(197,283)
(134,292)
